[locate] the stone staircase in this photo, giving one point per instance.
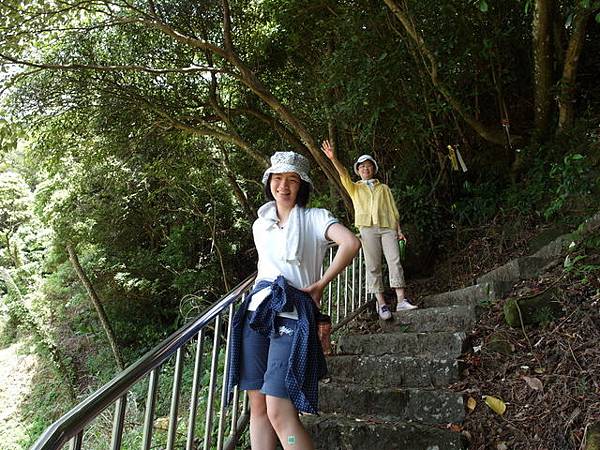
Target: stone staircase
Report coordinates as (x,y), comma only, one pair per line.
(390,390)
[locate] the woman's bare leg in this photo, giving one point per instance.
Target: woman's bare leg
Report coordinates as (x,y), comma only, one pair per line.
(400,294)
(380,298)
(284,418)
(262,434)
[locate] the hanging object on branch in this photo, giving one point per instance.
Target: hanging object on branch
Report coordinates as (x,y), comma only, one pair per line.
(506,125)
(456,159)
(452,157)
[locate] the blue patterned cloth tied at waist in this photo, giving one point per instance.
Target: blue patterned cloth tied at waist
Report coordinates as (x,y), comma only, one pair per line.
(306,363)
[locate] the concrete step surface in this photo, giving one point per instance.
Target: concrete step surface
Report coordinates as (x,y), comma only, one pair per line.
(394,370)
(448,344)
(393,383)
(336,432)
(431,406)
(516,270)
(442,318)
(474,295)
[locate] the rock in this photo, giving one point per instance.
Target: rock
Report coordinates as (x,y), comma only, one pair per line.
(500,344)
(540,308)
(592,437)
(546,237)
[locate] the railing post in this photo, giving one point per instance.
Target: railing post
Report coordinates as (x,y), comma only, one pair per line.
(360,277)
(172,433)
(346,291)
(366,282)
(77,441)
(189,445)
(149,413)
(221,430)
(118,422)
(337,296)
(211,385)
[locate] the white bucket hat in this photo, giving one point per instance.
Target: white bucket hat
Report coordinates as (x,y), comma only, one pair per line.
(288,162)
(362,159)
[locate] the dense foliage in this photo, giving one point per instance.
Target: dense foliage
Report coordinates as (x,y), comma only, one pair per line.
(136,133)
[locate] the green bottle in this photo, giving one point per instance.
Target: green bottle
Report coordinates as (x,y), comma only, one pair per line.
(402,248)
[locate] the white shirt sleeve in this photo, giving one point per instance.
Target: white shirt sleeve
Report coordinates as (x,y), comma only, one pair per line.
(321,219)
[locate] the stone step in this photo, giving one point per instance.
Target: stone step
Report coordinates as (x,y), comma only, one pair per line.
(335,432)
(442,318)
(393,370)
(432,406)
(475,295)
(518,269)
(449,344)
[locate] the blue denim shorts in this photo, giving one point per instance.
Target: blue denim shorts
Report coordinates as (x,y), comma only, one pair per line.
(265,360)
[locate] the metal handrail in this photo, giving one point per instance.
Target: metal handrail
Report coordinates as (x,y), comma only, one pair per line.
(77,418)
(71,426)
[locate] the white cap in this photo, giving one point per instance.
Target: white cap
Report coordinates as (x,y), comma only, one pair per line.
(362,159)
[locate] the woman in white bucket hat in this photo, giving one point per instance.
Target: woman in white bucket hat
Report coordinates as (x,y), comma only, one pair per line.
(275,353)
(377,218)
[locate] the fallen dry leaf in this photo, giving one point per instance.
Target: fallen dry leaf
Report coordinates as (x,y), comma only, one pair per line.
(497,405)
(471,403)
(534,383)
(455,427)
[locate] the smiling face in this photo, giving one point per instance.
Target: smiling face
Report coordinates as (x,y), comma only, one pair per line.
(285,187)
(366,170)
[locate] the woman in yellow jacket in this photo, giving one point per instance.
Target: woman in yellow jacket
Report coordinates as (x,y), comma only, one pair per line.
(377,218)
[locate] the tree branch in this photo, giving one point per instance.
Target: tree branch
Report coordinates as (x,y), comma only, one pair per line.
(114,68)
(227,27)
(187,40)
(491,134)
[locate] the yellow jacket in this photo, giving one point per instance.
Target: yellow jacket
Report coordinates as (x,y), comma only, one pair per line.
(372,207)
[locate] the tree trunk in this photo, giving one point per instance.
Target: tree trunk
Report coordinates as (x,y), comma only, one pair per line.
(110,335)
(542,64)
(566,98)
(237,190)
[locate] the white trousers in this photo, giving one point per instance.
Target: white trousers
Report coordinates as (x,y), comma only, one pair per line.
(375,241)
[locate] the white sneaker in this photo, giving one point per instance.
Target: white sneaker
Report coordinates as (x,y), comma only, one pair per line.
(404,305)
(383,311)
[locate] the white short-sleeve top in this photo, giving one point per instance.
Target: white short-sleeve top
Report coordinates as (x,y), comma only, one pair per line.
(270,239)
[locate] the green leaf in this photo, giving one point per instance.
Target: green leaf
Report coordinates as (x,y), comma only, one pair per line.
(483,6)
(598,17)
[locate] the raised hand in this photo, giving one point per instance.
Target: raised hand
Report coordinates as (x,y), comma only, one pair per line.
(328,149)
